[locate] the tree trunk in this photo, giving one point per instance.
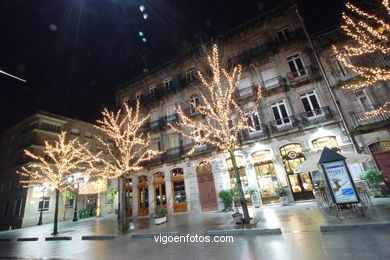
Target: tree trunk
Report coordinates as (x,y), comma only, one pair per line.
(239,187)
(123,224)
(55,229)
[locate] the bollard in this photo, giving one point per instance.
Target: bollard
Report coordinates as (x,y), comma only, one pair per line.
(10,228)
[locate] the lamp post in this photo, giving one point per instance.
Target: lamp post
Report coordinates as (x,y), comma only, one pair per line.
(76,182)
(44,189)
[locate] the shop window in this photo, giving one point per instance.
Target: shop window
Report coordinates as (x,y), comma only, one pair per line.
(239,160)
(159,189)
(383,146)
(267,181)
(240,164)
(328,141)
(265,155)
(178,188)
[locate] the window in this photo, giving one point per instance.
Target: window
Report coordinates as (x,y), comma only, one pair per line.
(297,66)
(280,113)
(269,78)
(338,67)
(328,141)
(156,144)
(69,203)
(244,87)
(311,105)
(168,84)
(194,102)
(138,95)
(254,122)
(88,134)
(17,207)
(190,75)
(173,140)
(170,110)
(283,35)
(154,120)
(75,131)
(44,204)
(153,91)
(361,101)
(6,208)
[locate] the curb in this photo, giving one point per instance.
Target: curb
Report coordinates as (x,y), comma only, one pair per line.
(103,237)
(353,227)
(5,239)
(253,231)
(150,235)
(57,238)
(27,239)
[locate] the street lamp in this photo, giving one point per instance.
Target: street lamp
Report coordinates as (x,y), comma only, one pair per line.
(76,180)
(44,188)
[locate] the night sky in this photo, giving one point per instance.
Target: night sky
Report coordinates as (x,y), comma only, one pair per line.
(75,53)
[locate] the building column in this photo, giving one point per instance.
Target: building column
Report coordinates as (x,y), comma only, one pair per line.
(168,191)
(134,185)
(151,195)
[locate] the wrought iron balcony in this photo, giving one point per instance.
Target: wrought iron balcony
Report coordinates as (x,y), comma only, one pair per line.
(316,115)
(260,131)
(361,119)
(174,153)
(247,92)
(301,75)
(283,124)
(274,83)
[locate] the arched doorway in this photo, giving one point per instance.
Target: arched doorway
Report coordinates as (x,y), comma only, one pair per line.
(159,190)
(300,183)
(265,176)
(178,190)
(207,195)
(143,196)
(381,153)
(129,198)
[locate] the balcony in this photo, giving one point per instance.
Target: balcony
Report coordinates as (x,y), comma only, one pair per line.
(248,92)
(190,112)
(316,115)
(174,153)
(260,131)
(154,125)
(302,75)
(361,119)
(283,124)
(46,127)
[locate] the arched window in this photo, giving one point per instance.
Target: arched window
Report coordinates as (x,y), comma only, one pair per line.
(194,102)
(327,141)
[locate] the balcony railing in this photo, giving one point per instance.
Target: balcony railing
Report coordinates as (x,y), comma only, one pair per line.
(300,75)
(260,131)
(361,119)
(247,92)
(47,127)
(283,124)
(316,115)
(274,83)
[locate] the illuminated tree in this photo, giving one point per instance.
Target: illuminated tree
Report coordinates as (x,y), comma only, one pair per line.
(55,164)
(371,36)
(127,148)
(222,118)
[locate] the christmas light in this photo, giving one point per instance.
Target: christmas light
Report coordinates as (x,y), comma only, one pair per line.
(222,118)
(128,145)
(371,36)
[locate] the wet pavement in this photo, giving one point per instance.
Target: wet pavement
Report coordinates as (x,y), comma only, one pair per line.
(300,239)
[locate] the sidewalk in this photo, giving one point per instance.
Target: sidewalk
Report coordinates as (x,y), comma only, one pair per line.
(300,217)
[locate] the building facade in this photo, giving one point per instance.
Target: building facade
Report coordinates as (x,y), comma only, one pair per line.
(20,207)
(295,116)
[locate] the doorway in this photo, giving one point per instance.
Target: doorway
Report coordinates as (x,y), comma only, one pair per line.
(207,195)
(129,198)
(178,190)
(159,190)
(143,196)
(381,153)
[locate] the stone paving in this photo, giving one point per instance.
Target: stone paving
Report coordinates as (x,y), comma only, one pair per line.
(300,239)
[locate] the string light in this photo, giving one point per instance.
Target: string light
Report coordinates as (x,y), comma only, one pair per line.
(223,119)
(60,161)
(370,36)
(129,146)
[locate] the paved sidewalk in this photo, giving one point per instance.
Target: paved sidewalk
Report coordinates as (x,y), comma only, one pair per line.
(300,217)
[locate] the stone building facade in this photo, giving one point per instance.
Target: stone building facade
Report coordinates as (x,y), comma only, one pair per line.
(296,115)
(20,207)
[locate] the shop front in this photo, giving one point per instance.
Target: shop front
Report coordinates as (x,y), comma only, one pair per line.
(92,203)
(129,198)
(143,196)
(178,190)
(381,153)
(160,197)
(300,183)
(265,176)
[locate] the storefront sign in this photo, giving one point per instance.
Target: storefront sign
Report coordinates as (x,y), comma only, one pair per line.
(340,182)
(292,155)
